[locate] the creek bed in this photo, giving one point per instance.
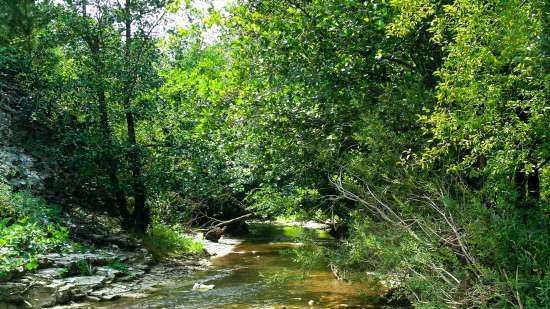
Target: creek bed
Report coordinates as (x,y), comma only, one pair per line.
(257,273)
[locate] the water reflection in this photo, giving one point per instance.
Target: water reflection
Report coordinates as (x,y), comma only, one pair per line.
(257,274)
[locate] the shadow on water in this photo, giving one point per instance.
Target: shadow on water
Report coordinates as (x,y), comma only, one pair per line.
(257,274)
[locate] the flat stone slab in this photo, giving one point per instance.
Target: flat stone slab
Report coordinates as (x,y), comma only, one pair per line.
(49,273)
(223,247)
(60,282)
(12,291)
(59,291)
(68,260)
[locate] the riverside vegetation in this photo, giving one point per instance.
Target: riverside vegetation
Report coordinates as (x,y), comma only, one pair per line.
(417,129)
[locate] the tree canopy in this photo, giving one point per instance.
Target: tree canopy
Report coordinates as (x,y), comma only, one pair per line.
(419,127)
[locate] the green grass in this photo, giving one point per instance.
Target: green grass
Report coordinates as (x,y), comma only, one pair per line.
(163,240)
(84,268)
(118,265)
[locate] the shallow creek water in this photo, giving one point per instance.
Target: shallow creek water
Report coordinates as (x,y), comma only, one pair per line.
(247,278)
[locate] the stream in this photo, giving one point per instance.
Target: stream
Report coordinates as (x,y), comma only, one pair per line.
(257,273)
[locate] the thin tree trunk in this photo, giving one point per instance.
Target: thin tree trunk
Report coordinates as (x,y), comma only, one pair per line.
(533,187)
(141,215)
(110,163)
(519,181)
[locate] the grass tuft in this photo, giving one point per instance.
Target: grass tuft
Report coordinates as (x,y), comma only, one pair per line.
(162,241)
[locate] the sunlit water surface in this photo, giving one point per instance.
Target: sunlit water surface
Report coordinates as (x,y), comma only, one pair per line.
(259,273)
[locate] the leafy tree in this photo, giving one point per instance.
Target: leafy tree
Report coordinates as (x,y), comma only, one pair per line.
(491,119)
(413,125)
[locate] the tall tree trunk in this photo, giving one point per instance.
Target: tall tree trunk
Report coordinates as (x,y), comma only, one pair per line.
(528,187)
(519,182)
(141,215)
(109,162)
(533,187)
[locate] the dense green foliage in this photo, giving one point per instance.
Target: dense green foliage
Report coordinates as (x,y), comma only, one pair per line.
(419,129)
(28,227)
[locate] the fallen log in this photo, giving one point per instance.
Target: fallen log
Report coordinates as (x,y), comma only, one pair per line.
(216,231)
(227,222)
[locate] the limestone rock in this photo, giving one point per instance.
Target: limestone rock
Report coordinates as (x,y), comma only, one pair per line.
(214,234)
(60,291)
(202,287)
(12,292)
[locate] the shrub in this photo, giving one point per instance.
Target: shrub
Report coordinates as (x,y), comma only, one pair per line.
(84,268)
(7,209)
(162,240)
(21,242)
(22,204)
(118,265)
(168,207)
(28,227)
(309,255)
(482,257)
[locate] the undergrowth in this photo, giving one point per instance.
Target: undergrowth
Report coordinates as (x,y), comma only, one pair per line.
(162,241)
(28,227)
(119,265)
(483,257)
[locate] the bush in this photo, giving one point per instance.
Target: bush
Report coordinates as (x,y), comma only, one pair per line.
(118,265)
(310,255)
(28,227)
(84,268)
(22,204)
(500,258)
(168,207)
(162,240)
(21,242)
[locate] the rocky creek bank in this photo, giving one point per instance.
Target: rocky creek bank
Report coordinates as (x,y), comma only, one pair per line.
(69,280)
